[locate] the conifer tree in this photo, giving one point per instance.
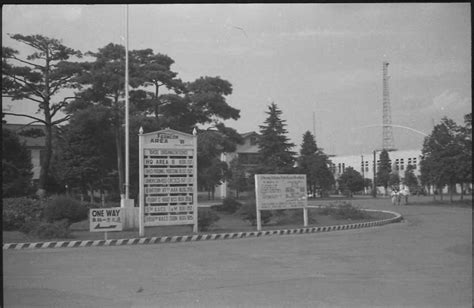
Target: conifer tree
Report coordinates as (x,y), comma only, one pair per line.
(314,163)
(275,152)
(384,169)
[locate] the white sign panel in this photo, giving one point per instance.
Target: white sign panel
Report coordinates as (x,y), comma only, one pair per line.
(105,219)
(281,191)
(168,140)
(168,178)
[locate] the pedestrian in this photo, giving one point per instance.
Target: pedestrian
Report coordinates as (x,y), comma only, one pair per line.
(404,193)
(395,196)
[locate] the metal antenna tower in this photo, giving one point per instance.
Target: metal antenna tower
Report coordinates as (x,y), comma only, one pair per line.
(388,143)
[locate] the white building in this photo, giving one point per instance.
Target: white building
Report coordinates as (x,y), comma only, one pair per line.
(364,163)
(247,154)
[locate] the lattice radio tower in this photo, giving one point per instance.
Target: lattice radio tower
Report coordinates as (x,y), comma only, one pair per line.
(388,143)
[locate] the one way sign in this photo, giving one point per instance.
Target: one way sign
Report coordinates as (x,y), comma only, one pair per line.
(108,219)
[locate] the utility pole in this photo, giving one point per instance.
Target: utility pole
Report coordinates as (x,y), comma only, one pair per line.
(127,150)
(374,186)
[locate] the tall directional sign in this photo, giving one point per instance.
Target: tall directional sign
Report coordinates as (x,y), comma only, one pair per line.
(168,179)
(105,219)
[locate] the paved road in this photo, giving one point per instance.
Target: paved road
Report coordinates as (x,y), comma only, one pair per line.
(425,261)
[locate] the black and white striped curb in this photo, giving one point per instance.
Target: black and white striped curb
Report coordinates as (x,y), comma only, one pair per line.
(201,237)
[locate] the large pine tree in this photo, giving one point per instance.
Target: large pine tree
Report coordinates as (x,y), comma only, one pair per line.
(39,79)
(16,165)
(314,163)
(275,148)
(383,170)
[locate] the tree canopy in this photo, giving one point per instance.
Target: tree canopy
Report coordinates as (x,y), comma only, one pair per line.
(274,145)
(447,154)
(384,169)
(40,79)
(314,163)
(16,166)
(351,181)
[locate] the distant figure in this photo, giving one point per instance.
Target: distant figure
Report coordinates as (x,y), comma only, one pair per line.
(405,193)
(395,197)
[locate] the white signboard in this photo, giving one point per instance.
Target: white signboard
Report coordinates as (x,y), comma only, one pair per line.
(105,219)
(168,186)
(280,191)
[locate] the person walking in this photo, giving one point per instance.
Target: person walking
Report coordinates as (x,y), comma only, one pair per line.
(395,197)
(405,193)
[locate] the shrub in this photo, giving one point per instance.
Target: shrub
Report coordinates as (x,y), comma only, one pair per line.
(294,216)
(206,218)
(30,226)
(57,229)
(63,207)
(18,211)
(248,212)
(344,210)
(230,205)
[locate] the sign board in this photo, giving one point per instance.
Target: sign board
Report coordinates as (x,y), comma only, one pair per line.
(168,183)
(105,219)
(280,191)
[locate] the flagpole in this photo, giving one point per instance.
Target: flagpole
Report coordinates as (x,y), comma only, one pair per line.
(127,175)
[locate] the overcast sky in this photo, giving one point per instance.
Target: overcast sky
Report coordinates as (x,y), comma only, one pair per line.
(324,59)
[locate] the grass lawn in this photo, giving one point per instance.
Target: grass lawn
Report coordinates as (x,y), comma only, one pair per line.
(227,223)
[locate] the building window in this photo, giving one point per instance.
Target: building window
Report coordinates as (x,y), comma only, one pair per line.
(42,153)
(249,158)
(253,140)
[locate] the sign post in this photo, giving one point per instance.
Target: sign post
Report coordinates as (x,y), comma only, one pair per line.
(168,179)
(281,191)
(105,220)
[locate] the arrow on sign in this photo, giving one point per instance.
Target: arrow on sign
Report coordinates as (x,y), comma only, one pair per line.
(107,227)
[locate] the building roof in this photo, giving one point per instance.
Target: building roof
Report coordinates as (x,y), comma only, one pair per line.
(245,135)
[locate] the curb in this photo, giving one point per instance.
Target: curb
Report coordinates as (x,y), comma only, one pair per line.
(202,237)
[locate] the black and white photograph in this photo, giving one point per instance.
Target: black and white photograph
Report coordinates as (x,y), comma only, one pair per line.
(237,155)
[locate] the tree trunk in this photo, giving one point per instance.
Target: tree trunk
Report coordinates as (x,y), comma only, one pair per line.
(462,191)
(41,192)
(451,188)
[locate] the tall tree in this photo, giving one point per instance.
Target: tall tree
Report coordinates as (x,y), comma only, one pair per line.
(394,179)
(105,81)
(86,151)
(410,179)
(154,70)
(274,145)
(384,169)
(464,169)
(40,79)
(207,98)
(314,163)
(16,166)
(237,179)
(351,181)
(443,152)
(211,144)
